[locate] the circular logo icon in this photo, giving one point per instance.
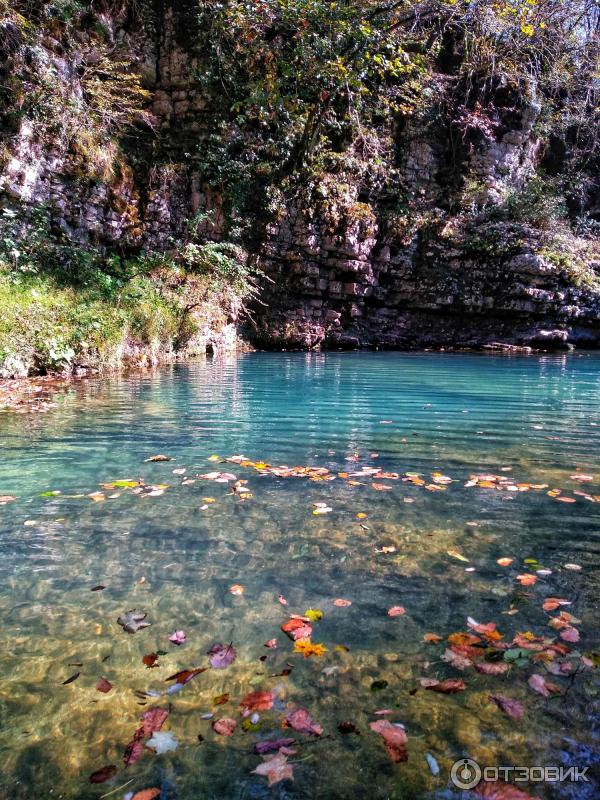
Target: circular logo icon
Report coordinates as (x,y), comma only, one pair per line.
(465,773)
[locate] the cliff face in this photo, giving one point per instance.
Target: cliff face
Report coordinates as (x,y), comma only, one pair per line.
(449,248)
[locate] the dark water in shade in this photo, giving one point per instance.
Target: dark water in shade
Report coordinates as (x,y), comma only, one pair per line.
(533,420)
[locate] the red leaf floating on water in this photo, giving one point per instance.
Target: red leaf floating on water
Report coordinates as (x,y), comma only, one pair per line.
(186,675)
(103,685)
(300,720)
(225,726)
(221,656)
(104,774)
(498,790)
(394,738)
(396,611)
(256,701)
(449,686)
(146,794)
(150,660)
(511,707)
(297,628)
(152,721)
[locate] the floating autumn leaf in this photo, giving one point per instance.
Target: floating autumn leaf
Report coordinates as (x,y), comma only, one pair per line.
(272,746)
(396,611)
(158,459)
(147,794)
(104,774)
(282,600)
(509,706)
(133,621)
(505,562)
(570,635)
(463,639)
(256,701)
(177,637)
(527,579)
(275,768)
(489,668)
(394,739)
(221,699)
(552,603)
(432,638)
(104,686)
(300,720)
(498,790)
(348,727)
(225,726)
(71,678)
(152,722)
(456,659)
(540,685)
(221,656)
(237,589)
(297,628)
(449,686)
(271,643)
(186,675)
(313,614)
(307,648)
(150,660)
(341,603)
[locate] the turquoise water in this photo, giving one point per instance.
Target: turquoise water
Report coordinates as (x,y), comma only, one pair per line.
(174,554)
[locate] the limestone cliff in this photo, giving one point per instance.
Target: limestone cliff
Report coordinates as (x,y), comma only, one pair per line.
(428,232)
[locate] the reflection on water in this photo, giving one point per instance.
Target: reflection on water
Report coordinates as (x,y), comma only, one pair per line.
(459,414)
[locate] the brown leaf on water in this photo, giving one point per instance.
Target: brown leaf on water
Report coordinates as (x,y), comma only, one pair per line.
(432,638)
(300,720)
(449,686)
(158,458)
(489,668)
(104,774)
(186,675)
(104,686)
(221,699)
(256,701)
(457,659)
(150,660)
(71,679)
(498,790)
(225,726)
(509,706)
(275,768)
(348,727)
(394,738)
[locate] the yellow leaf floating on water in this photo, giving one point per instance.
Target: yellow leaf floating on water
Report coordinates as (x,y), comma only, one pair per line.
(214,458)
(361,515)
(314,614)
(307,648)
(456,554)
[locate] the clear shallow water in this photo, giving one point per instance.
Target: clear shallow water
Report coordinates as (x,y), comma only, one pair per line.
(416,413)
